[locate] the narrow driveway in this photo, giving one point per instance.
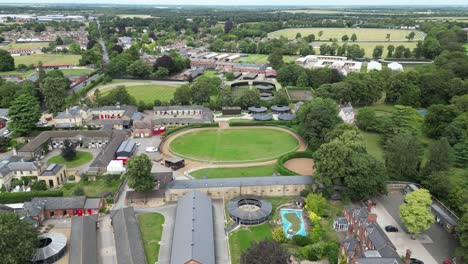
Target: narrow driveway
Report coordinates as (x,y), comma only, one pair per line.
(221,240)
(105,240)
(439,243)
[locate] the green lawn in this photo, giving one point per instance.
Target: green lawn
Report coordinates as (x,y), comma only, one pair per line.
(263,58)
(92,188)
(210,73)
(151,232)
(32,45)
(234,145)
(256,171)
(369,46)
(20,73)
(373,144)
(47,59)
(77,71)
(368,34)
(149,93)
(242,239)
(82,157)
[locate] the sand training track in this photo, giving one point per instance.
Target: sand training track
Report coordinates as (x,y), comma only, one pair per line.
(192,164)
(302,166)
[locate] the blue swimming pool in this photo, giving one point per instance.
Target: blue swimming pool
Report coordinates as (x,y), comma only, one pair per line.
(287,224)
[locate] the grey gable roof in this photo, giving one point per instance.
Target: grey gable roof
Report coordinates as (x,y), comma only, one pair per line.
(83,242)
(236,182)
(193,232)
(128,243)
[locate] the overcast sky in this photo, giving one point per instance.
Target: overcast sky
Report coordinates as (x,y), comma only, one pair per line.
(256,2)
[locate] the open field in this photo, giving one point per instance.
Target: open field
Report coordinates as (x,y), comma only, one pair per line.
(233,145)
(134,16)
(151,225)
(76,71)
(449,18)
(20,73)
(82,157)
(266,170)
(31,46)
(47,59)
(363,34)
(369,46)
(149,93)
(263,58)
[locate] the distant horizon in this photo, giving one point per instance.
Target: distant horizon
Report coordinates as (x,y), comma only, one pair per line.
(246,3)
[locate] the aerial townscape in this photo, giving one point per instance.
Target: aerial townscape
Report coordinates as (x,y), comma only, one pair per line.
(235,132)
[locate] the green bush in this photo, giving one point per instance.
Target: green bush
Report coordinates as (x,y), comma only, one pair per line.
(21,197)
(78,190)
(301,241)
(282,170)
(71,177)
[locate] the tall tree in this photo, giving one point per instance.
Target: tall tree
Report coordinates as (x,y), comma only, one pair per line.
(438,117)
(353,37)
(54,93)
(7,63)
(416,213)
(390,49)
(18,241)
(68,150)
(275,59)
(265,252)
(139,69)
(139,174)
(440,156)
(378,51)
(24,114)
(462,232)
(228,26)
(403,157)
(316,119)
(183,95)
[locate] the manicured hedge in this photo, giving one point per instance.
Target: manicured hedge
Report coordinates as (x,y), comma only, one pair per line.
(261,123)
(21,197)
(282,170)
(172,130)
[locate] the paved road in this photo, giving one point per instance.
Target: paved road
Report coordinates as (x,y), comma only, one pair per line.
(221,240)
(105,240)
(169,212)
(440,244)
(83,84)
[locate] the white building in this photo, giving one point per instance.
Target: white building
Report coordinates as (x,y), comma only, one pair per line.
(339,63)
(347,113)
(374,66)
(115,167)
(394,66)
(125,42)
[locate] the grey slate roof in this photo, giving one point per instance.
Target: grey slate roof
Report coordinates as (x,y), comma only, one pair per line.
(58,203)
(23,166)
(193,231)
(127,146)
(443,214)
(286,117)
(83,241)
(376,261)
(257,109)
(236,182)
(128,243)
(3,112)
(52,170)
(262,117)
(92,203)
(280,108)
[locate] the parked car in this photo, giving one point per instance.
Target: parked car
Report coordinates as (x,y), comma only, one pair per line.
(391,228)
(138,144)
(151,149)
(416,261)
(447,262)
(6,132)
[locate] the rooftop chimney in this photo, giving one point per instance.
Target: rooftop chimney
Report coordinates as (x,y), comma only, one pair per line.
(372,218)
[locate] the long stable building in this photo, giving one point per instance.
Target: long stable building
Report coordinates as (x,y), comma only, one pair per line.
(193,240)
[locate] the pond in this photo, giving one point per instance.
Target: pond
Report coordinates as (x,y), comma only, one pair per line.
(293,222)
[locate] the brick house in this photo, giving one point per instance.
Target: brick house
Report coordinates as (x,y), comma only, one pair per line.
(142,128)
(366,241)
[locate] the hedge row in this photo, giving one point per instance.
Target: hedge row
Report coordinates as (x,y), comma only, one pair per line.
(261,123)
(172,130)
(21,197)
(282,170)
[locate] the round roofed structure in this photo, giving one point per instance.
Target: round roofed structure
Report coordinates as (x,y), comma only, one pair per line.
(280,108)
(286,117)
(249,210)
(51,248)
(262,117)
(257,109)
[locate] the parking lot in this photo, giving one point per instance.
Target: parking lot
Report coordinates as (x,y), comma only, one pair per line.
(432,246)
